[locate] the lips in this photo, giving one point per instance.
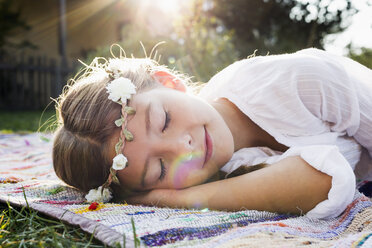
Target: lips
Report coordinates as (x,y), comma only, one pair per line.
(208,146)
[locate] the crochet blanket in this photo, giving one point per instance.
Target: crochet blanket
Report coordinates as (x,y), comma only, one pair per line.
(29,157)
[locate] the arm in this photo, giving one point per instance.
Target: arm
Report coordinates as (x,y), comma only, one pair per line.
(290,185)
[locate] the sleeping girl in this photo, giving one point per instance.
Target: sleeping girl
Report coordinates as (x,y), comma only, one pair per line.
(288,133)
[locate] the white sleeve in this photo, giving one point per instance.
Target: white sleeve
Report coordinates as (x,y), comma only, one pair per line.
(249,156)
(339,91)
(330,161)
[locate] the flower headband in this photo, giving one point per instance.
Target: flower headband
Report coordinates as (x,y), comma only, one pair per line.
(120,90)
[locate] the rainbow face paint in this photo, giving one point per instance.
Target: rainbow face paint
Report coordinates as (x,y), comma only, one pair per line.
(185,165)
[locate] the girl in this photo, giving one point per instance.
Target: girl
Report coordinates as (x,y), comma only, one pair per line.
(301,121)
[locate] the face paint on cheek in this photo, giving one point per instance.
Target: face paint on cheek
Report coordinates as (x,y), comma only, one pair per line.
(184,166)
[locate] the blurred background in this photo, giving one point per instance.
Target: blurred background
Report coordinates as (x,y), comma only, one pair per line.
(42,40)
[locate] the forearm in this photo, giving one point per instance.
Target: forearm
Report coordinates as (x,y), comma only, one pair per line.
(291,185)
(288,186)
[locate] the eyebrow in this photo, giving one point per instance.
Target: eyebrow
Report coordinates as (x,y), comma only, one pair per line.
(147,120)
(144,172)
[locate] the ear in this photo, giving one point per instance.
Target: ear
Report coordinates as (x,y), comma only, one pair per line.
(170,81)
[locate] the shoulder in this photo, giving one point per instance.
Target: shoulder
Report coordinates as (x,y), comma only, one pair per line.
(271,66)
(284,74)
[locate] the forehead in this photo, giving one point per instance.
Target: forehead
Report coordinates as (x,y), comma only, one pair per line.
(160,93)
(135,150)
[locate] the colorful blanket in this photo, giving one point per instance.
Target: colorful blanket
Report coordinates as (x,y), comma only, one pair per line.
(29,157)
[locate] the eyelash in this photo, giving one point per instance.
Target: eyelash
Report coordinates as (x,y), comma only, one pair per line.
(162,170)
(167,120)
(166,124)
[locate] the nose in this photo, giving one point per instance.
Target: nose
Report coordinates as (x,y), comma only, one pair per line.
(175,146)
(182,144)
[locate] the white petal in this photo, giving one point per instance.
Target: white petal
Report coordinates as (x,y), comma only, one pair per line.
(119,162)
(96,195)
(120,89)
(116,65)
(106,195)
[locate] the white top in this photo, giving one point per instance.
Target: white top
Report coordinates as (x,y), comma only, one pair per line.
(317,104)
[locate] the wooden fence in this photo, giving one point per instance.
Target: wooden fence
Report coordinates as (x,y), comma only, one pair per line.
(29,83)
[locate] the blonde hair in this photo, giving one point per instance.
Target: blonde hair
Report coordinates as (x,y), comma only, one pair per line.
(86,120)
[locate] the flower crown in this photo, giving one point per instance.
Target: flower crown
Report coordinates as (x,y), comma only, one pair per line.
(120,90)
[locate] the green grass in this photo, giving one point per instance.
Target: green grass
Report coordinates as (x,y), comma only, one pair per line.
(24,227)
(27,121)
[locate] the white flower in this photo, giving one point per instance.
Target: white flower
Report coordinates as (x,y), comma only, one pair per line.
(116,65)
(96,195)
(95,77)
(120,89)
(119,162)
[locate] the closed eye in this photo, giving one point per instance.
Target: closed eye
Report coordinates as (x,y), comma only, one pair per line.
(162,170)
(166,121)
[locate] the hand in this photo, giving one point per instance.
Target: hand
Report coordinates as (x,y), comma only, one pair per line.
(158,197)
(175,198)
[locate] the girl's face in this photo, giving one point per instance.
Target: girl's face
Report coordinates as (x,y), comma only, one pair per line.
(179,141)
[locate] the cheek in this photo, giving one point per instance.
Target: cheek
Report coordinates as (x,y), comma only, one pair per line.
(183,171)
(128,179)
